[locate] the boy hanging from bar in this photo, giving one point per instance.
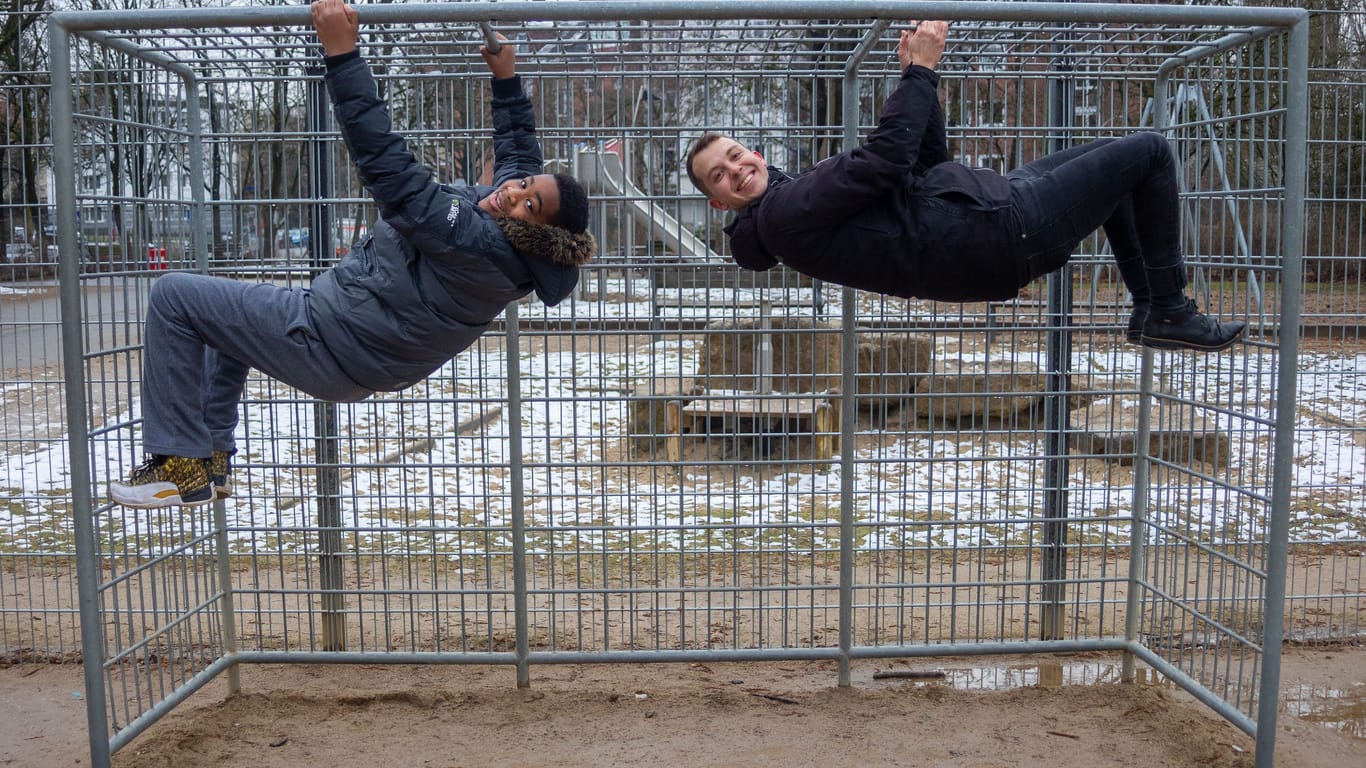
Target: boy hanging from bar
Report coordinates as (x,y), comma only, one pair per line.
(440,264)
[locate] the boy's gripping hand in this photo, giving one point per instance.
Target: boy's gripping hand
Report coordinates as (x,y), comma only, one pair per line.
(338,26)
(503,62)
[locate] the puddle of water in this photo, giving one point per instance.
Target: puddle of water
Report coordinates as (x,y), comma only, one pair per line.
(1046,675)
(1002,678)
(1342,709)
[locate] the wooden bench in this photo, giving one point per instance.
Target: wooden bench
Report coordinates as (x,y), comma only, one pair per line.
(752,413)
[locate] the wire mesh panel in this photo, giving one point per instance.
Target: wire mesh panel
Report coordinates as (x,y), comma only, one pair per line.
(37,593)
(1208,555)
(684,459)
(1326,570)
(134,219)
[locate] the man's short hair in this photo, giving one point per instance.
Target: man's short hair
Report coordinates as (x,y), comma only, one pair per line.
(573,213)
(701,143)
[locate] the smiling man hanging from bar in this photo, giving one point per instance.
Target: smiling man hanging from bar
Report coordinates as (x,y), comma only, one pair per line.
(896,216)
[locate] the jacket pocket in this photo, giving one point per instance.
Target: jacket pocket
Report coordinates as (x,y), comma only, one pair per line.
(965,253)
(300,325)
(961,199)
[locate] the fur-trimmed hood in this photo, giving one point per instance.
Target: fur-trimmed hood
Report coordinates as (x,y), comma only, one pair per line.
(551,255)
(558,246)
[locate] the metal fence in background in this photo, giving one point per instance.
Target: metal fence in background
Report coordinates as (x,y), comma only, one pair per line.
(685,460)
(1326,597)
(37,558)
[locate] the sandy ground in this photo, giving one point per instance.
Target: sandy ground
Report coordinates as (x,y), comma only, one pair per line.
(778,713)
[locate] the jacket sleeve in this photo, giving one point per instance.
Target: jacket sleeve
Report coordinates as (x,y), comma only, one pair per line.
(516,150)
(409,200)
(934,145)
(843,184)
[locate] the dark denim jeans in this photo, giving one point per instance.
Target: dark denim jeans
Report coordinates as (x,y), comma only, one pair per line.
(1062,198)
(203,336)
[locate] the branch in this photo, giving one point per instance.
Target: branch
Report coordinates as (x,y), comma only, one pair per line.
(16,19)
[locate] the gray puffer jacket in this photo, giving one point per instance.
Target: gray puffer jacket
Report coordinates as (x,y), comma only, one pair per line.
(437,269)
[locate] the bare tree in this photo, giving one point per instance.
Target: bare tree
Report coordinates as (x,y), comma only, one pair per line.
(23,106)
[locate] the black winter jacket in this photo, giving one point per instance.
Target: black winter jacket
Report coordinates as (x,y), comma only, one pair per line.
(436,269)
(891,216)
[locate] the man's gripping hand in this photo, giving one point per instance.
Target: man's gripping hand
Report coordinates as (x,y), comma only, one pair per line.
(338,26)
(923,44)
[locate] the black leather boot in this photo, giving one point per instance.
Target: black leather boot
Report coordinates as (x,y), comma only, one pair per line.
(1134,333)
(1189,328)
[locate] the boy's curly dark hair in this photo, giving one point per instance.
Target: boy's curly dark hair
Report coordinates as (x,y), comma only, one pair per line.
(573,213)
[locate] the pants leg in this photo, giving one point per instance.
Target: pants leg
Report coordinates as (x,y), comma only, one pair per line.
(202,336)
(1115,183)
(1120,229)
(224,378)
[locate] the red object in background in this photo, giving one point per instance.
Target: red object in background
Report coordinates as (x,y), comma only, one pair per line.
(156,257)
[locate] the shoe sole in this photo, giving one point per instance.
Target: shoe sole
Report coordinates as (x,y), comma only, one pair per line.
(161,503)
(1169,344)
(156,495)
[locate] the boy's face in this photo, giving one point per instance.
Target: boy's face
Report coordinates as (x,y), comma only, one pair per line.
(732,175)
(532,198)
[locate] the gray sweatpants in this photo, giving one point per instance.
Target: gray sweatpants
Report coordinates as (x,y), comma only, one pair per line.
(203,335)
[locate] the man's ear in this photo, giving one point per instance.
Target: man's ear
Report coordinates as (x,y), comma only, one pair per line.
(718,205)
(758,155)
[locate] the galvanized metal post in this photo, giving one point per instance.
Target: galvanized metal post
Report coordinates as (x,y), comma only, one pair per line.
(1283,480)
(68,270)
(227,615)
(849,375)
(1138,523)
(331,559)
(517,488)
(1058,356)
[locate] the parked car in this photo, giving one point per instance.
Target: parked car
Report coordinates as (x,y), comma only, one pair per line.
(291,244)
(101,257)
(24,262)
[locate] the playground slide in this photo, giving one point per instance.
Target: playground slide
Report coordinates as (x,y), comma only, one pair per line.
(602,172)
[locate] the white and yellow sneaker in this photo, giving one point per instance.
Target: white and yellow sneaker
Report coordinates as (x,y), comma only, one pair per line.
(165,481)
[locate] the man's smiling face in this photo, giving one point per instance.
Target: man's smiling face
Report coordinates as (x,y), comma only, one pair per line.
(733,175)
